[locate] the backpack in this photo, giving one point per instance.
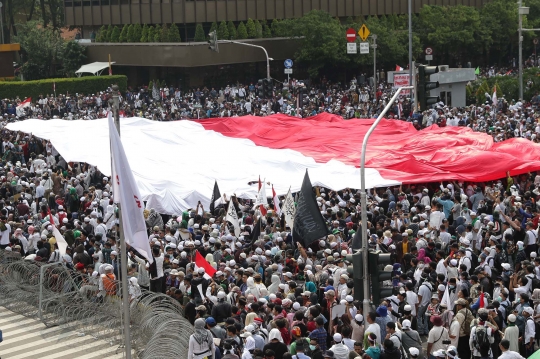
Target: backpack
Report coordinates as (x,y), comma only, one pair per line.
(481,338)
(466,325)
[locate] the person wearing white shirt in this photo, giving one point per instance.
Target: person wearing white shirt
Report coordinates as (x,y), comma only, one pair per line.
(412,298)
(528,341)
(4,239)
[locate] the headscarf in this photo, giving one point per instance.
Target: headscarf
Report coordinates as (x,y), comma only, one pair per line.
(275,334)
(273,288)
(250,343)
(422,256)
(201,335)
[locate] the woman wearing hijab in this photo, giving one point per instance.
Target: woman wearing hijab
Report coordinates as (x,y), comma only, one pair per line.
(422,256)
(201,342)
(108,219)
(249,345)
(134,288)
(275,343)
(274,286)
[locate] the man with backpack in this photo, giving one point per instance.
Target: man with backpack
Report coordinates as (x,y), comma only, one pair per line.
(482,335)
(464,316)
(529,336)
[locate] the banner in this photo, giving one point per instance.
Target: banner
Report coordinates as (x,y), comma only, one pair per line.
(309,224)
(289,208)
(126,192)
(232,217)
(401,80)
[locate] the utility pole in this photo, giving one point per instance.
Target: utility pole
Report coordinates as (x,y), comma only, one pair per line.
(410,45)
(123,248)
(363,200)
(1,25)
(520,39)
(374,47)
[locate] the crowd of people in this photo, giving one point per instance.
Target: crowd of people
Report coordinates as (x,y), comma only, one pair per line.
(466,267)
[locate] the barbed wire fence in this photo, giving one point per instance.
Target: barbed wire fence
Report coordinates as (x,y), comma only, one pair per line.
(60,297)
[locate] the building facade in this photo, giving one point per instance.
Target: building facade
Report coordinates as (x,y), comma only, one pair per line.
(91,14)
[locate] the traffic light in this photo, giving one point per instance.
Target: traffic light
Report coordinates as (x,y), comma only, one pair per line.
(212,40)
(377,260)
(268,88)
(355,272)
(260,88)
(425,85)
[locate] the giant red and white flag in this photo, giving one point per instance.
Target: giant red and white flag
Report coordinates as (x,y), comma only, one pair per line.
(126,192)
(275,198)
(60,240)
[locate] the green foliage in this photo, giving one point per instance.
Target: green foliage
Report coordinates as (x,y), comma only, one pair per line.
(258,30)
(157,33)
(131,34)
(267,31)
(164,33)
(251,30)
(85,85)
(137,33)
(150,34)
(115,35)
(223,31)
(144,33)
(199,34)
(499,20)
(241,32)
(213,27)
(174,34)
(73,57)
(102,34)
(124,34)
(41,50)
(232,30)
(276,29)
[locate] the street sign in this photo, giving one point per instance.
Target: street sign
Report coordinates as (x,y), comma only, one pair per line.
(429,57)
(364,32)
(535,41)
(288,71)
(351,35)
(429,51)
(351,48)
(288,63)
(364,48)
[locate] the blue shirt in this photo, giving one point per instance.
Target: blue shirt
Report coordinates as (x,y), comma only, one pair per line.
(321,335)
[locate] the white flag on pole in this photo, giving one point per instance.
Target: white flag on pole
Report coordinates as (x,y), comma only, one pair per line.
(289,208)
(127,194)
(232,217)
(261,196)
(494,97)
(60,241)
(275,198)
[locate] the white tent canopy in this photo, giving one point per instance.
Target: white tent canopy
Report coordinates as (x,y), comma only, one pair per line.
(176,163)
(95,68)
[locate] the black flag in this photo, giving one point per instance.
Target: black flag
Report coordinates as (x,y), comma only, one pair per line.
(256,231)
(309,224)
(215,196)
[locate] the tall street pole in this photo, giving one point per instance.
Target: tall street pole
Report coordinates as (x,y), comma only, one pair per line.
(363,201)
(520,36)
(1,25)
(410,45)
(374,46)
(123,248)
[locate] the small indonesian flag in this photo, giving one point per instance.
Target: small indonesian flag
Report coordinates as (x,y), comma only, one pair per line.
(399,68)
(261,197)
(60,241)
(200,262)
(25,103)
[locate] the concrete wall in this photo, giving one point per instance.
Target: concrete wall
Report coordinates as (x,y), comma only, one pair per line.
(189,54)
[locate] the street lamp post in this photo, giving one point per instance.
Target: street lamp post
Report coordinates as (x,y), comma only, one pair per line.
(363,200)
(1,25)
(410,45)
(260,47)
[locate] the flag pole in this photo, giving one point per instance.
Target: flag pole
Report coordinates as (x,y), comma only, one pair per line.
(123,248)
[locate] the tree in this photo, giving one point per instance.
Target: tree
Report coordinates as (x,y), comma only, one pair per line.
(276,30)
(164,33)
(131,34)
(157,33)
(251,30)
(174,34)
(223,31)
(267,31)
(124,34)
(137,33)
(150,34)
(232,30)
(199,34)
(241,32)
(109,33)
(102,34)
(144,33)
(74,56)
(42,49)
(213,27)
(258,29)
(115,36)
(499,19)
